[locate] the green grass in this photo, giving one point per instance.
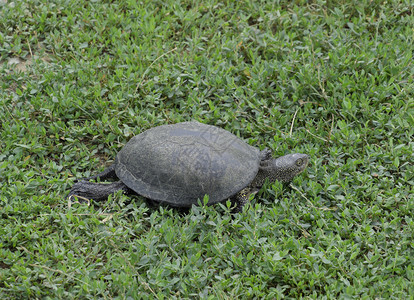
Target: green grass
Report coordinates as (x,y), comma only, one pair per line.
(333,79)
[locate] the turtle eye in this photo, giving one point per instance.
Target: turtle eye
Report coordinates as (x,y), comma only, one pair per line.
(299,162)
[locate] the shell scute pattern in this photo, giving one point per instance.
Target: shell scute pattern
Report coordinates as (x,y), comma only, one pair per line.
(178,164)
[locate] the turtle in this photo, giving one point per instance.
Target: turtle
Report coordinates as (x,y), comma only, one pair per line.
(179,164)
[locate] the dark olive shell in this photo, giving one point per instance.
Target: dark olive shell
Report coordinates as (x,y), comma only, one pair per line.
(179,164)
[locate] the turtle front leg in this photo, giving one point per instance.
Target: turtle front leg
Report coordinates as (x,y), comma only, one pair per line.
(242,198)
(265,157)
(265,154)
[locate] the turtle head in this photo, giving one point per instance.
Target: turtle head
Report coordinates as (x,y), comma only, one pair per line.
(285,168)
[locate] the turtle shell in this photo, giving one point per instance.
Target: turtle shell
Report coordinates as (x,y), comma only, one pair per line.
(179,164)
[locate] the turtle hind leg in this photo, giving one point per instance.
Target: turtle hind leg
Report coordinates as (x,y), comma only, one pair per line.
(108,173)
(96,191)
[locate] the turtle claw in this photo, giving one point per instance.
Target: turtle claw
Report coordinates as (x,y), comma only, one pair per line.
(81,200)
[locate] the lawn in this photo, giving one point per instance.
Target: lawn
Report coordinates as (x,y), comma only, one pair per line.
(333,79)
